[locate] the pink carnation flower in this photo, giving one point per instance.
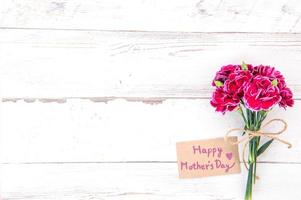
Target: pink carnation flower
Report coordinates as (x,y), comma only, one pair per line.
(224,72)
(236,82)
(286,98)
(271,73)
(222,101)
(260,94)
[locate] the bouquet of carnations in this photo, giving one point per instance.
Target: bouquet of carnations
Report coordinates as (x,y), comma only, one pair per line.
(252,91)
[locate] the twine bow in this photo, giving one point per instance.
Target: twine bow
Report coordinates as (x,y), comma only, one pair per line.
(251,134)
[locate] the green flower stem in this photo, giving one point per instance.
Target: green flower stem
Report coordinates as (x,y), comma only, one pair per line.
(242,114)
(253,123)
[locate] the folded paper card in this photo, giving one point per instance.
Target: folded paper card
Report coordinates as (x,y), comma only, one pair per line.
(210,157)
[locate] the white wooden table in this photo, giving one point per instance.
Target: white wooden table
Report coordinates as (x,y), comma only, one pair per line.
(95,94)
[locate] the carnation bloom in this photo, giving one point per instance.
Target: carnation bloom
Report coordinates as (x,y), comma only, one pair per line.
(222,101)
(236,82)
(224,72)
(286,98)
(261,94)
(271,73)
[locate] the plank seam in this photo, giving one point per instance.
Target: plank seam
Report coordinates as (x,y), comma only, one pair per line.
(127,162)
(151,100)
(140,31)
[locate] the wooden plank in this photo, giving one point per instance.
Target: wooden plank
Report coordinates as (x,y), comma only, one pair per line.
(59,64)
(154,15)
(140,181)
(120,130)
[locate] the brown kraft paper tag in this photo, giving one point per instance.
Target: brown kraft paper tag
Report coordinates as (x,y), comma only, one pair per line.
(211,157)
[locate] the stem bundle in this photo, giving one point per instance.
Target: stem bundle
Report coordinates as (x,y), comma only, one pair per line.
(253,121)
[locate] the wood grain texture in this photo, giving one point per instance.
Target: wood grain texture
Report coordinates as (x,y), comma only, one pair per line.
(96,94)
(154,15)
(119,130)
(140,181)
(60,64)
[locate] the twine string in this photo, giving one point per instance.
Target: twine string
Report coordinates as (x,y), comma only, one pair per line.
(251,134)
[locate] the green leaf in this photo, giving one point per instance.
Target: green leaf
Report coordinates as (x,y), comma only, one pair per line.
(244,66)
(262,112)
(275,82)
(218,83)
(264,147)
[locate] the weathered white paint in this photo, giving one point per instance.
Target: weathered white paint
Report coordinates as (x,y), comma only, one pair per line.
(153,181)
(128,96)
(84,131)
(155,15)
(55,64)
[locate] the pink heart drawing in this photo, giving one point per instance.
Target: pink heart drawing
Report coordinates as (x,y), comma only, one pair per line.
(229,156)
